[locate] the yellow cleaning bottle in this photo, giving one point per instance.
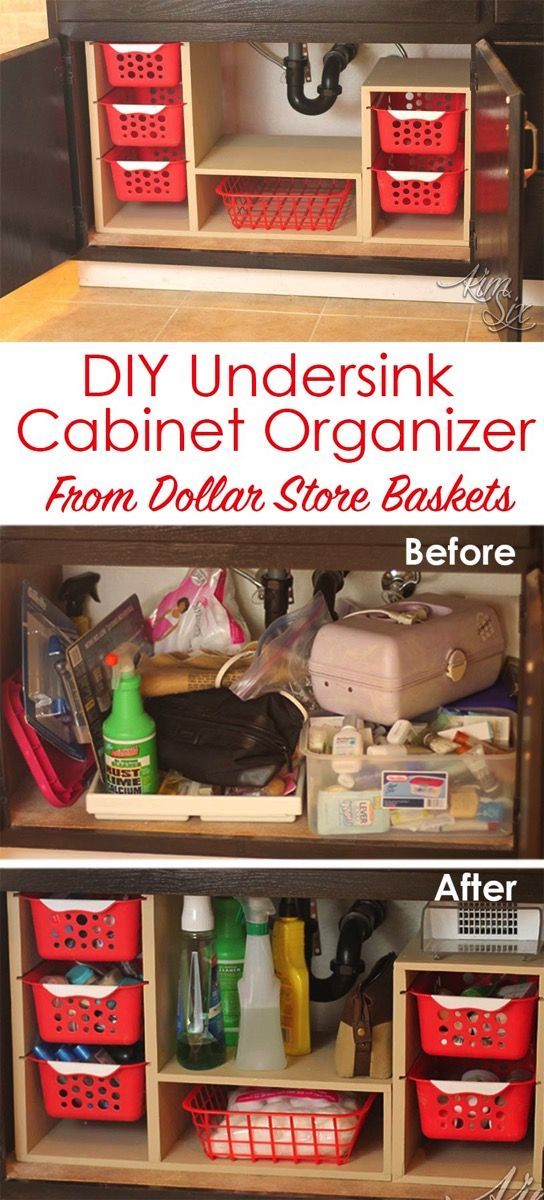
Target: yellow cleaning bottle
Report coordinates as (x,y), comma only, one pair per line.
(292,972)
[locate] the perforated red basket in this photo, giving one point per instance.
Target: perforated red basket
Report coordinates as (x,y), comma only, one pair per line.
(277,1136)
(131,64)
(413,184)
(94,1092)
(103,930)
(149,175)
(101,1015)
(297,204)
(473,1026)
(419,122)
(466,1110)
(145,116)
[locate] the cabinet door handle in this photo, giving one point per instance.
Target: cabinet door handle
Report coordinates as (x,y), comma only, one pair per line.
(530,127)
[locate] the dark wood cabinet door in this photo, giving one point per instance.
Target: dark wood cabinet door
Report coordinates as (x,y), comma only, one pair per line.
(38,223)
(531,720)
(497,190)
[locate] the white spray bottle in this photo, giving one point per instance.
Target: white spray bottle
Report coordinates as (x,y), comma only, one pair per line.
(260,1045)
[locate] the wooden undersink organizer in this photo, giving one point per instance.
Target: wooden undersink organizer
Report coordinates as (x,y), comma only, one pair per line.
(391,1159)
(201,222)
(478,1165)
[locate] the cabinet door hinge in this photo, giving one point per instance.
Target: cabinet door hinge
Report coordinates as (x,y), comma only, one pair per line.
(67,62)
(473,79)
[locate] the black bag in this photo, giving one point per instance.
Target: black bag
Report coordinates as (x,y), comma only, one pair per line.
(214,737)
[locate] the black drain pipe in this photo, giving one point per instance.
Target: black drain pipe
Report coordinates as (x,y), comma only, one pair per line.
(334,62)
(356,927)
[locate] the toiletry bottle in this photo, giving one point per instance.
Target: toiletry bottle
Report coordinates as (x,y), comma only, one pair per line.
(130,740)
(292,971)
(200,1031)
(230,940)
(347,749)
(260,1045)
(475,760)
(437,744)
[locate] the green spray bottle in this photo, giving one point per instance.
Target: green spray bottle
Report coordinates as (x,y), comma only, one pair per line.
(130,739)
(230,941)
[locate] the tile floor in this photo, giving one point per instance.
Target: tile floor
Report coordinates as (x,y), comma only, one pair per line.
(54,308)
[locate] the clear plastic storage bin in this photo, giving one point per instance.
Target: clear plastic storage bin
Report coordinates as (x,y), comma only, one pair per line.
(413,795)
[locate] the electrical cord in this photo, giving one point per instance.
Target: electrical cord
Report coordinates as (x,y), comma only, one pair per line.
(268,54)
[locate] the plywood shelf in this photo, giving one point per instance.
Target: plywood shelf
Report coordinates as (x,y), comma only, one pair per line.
(218,224)
(152,219)
(420,230)
(316,1070)
(420,74)
(30,814)
(366,1162)
(117,1142)
(474,1164)
(296,157)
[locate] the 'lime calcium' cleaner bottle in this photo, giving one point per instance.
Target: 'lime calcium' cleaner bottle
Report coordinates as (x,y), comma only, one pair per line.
(130,739)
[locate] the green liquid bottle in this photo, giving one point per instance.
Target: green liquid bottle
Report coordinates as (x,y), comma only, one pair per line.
(200,1030)
(230,936)
(130,740)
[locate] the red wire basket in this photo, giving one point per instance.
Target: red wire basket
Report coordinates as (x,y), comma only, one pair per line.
(473,1026)
(128,65)
(95,1013)
(276,1136)
(145,116)
(452,1109)
(149,175)
(298,204)
(93,1092)
(413,184)
(419,122)
(87,930)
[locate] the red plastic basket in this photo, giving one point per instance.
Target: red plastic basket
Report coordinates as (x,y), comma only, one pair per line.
(131,64)
(473,1026)
(460,1110)
(278,1137)
(412,184)
(87,930)
(145,116)
(101,1015)
(296,204)
(419,122)
(94,1092)
(148,175)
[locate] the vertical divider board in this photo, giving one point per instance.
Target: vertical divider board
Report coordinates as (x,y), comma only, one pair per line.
(31,1121)
(204,124)
(150,1028)
(106,204)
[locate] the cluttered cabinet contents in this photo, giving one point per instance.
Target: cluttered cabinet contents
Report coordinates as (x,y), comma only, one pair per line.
(356,714)
(220,1054)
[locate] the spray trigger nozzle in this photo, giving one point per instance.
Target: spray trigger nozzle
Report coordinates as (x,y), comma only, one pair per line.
(122,662)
